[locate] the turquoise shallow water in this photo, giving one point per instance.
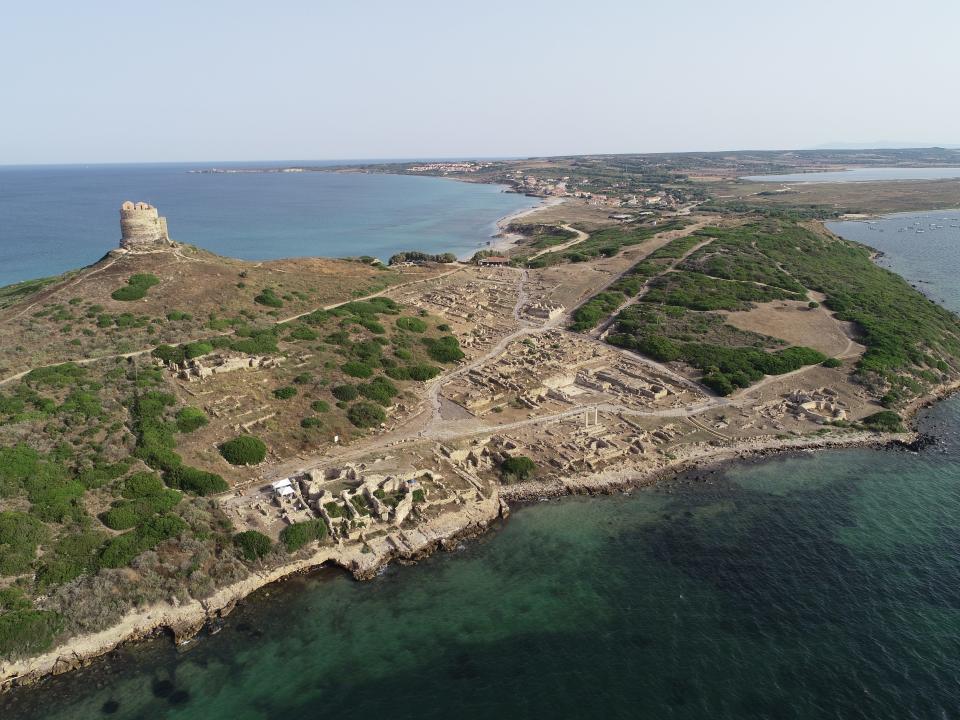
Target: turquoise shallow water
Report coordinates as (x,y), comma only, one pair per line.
(821,585)
(54,219)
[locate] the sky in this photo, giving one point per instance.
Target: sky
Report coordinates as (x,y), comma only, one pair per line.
(104,81)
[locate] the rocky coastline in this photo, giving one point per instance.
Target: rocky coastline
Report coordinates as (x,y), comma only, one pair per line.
(184,622)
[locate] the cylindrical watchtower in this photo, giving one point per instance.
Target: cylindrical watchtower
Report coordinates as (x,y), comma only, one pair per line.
(141,225)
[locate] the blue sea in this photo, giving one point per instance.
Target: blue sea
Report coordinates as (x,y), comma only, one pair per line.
(54,218)
(802,587)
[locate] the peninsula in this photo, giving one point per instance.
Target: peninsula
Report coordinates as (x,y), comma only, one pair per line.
(178,429)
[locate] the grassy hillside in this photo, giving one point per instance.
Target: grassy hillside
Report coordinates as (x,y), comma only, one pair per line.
(106,467)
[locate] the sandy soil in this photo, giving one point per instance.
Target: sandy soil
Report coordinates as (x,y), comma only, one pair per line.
(793,321)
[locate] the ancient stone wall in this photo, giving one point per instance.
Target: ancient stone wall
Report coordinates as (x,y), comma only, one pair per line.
(141,226)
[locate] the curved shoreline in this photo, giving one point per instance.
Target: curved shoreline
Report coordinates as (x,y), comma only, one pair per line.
(184,622)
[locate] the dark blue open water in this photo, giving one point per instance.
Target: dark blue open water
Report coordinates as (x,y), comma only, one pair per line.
(822,585)
(54,219)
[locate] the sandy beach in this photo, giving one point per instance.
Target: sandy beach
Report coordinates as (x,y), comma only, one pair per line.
(505,240)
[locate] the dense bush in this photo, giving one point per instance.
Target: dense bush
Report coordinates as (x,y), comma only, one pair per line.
(444,349)
(517,468)
(197,349)
(358,369)
(412,324)
(194,480)
(885,420)
(56,375)
(27,632)
(725,368)
(311,422)
(346,393)
(379,390)
(269,298)
(297,535)
(320,406)
(366,415)
(596,309)
(244,450)
(832,362)
(119,551)
(190,418)
(418,372)
(285,393)
(170,353)
(72,555)
(136,287)
(20,534)
(252,545)
(302,332)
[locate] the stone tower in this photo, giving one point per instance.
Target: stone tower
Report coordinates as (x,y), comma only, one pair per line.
(141,226)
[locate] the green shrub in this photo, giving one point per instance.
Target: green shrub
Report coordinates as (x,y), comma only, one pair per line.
(285,393)
(269,298)
(302,332)
(379,390)
(297,535)
(244,450)
(11,598)
(194,480)
(252,545)
(346,393)
(832,362)
(366,415)
(17,463)
(412,324)
(422,372)
(169,353)
(126,514)
(56,375)
(303,378)
(27,632)
(119,551)
(177,315)
(71,556)
(320,406)
(885,421)
(197,349)
(20,534)
(445,349)
(358,369)
(140,485)
(136,287)
(311,422)
(517,468)
(190,419)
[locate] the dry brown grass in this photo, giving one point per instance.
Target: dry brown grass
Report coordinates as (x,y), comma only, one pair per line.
(793,321)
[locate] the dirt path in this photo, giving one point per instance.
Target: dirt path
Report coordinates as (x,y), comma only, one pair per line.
(601,330)
(581,236)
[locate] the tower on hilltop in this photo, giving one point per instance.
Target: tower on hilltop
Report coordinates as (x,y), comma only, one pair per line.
(141,226)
